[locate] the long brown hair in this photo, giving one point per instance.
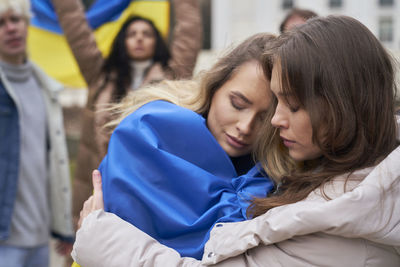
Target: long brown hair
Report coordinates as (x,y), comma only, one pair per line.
(337,70)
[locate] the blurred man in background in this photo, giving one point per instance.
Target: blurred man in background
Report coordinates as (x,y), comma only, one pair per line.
(35,192)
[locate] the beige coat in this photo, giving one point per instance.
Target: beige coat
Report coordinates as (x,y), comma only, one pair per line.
(359,227)
(184,48)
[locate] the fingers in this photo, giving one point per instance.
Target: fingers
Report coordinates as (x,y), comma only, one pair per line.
(79,224)
(98,202)
(96,180)
(95,201)
(86,209)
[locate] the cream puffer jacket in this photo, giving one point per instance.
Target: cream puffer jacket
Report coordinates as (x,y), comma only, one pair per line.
(360,227)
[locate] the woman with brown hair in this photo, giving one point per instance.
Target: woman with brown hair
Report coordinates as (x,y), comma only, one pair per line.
(332,152)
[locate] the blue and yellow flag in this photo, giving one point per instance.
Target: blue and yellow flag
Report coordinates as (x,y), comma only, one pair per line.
(49,49)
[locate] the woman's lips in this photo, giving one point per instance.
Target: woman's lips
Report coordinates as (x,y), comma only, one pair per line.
(139,48)
(233,141)
(287,142)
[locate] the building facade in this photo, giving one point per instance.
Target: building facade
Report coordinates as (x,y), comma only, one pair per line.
(234,20)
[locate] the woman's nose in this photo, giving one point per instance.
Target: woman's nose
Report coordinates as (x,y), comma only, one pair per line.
(245,125)
(139,36)
(279,119)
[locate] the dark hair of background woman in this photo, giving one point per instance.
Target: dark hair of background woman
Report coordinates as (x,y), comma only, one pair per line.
(117,65)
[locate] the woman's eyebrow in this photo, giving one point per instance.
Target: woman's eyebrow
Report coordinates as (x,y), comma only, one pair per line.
(245,99)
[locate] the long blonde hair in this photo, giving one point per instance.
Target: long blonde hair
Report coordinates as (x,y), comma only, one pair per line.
(184,93)
(194,94)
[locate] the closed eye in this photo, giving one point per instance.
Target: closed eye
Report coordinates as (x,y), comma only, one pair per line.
(294,109)
(238,101)
(293,105)
(236,104)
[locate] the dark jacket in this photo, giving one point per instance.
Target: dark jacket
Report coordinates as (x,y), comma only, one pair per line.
(9,164)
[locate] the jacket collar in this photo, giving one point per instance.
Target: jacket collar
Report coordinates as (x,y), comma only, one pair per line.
(51,86)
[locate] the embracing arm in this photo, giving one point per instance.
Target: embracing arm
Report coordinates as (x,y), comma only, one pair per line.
(107,240)
(285,236)
(186,39)
(80,37)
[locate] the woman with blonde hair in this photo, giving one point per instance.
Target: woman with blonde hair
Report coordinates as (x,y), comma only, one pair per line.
(180,158)
(337,205)
(139,55)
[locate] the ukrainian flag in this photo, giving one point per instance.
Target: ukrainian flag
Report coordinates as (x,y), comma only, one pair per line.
(49,49)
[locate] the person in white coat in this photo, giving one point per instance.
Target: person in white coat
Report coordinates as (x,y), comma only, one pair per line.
(334,155)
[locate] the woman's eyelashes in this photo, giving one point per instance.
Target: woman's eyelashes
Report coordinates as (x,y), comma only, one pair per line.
(292,104)
(237,102)
(294,109)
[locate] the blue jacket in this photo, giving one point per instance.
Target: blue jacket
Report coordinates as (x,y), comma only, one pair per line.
(58,167)
(9,154)
(166,174)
